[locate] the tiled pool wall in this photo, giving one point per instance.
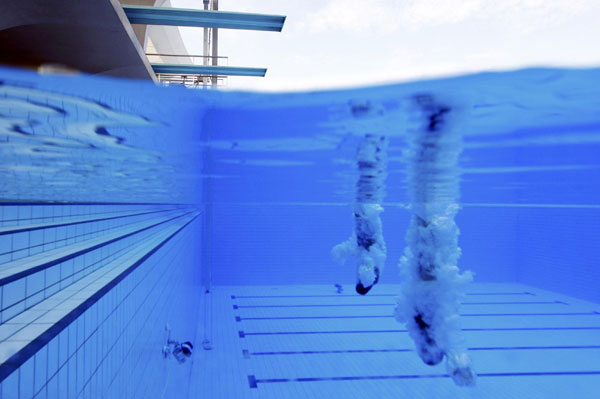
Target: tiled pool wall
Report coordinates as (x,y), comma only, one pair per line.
(552,247)
(87,291)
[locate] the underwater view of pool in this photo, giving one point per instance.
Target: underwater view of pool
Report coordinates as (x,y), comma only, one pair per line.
(432,238)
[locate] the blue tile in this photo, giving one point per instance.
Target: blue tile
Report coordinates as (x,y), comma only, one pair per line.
(52,388)
(26,379)
(80,331)
(87,364)
(78,264)
(10,386)
(49,238)
(80,373)
(61,233)
(41,394)
(20,254)
(13,292)
(40,372)
(52,275)
(35,283)
(71,232)
(51,290)
(10,215)
(12,311)
(37,212)
(72,338)
(5,248)
(66,271)
(34,299)
(72,386)
(24,212)
(20,240)
(89,324)
(36,241)
(63,347)
(53,356)
(63,383)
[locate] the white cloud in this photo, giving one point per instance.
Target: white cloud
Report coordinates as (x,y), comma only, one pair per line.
(385,16)
(353,15)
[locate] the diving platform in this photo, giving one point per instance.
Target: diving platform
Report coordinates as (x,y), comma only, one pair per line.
(203,18)
(209,70)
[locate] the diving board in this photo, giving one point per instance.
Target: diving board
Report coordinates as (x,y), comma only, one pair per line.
(182,69)
(203,18)
(208,70)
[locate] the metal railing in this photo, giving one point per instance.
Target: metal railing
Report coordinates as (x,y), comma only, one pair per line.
(189,80)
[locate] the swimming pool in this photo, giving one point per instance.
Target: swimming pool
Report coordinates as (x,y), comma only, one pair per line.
(134,214)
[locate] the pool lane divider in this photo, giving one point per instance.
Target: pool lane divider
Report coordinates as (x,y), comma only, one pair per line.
(239,319)
(247,354)
(235,307)
(243,334)
(370,295)
(253,381)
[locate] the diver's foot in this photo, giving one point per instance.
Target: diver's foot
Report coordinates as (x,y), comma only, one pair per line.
(361,289)
(459,368)
(430,353)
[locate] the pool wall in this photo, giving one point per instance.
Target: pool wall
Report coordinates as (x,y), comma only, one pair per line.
(549,247)
(85,305)
(291,244)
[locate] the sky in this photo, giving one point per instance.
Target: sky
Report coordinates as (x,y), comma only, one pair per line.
(351,43)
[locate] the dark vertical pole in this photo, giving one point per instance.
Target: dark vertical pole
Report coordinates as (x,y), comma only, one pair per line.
(215,43)
(206,48)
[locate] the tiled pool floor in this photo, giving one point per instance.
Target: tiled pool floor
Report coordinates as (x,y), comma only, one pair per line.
(311,342)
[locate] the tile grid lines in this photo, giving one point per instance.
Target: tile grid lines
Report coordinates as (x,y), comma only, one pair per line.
(54,216)
(150,313)
(71,237)
(45,289)
(59,282)
(32,270)
(30,349)
(113,311)
(25,228)
(83,203)
(63,216)
(75,353)
(105,272)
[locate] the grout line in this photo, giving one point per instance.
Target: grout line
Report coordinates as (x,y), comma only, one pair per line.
(390,304)
(238,318)
(247,354)
(253,381)
(61,259)
(243,334)
(25,228)
(370,295)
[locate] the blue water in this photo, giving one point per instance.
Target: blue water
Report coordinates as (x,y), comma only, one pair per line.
(273,178)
